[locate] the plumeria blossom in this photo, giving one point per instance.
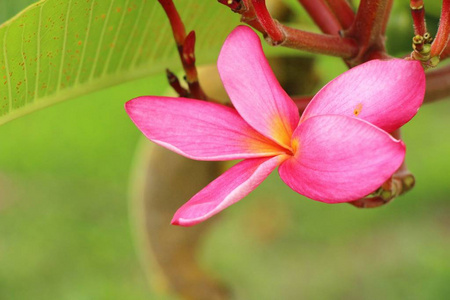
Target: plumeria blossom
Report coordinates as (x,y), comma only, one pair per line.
(338,151)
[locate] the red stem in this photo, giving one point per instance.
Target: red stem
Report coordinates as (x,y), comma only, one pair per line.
(179,32)
(446,53)
(186,50)
(289,37)
(302,102)
(188,61)
(343,12)
(319,43)
(235,5)
(267,23)
(368,27)
(175,84)
(443,33)
(418,15)
(322,16)
(387,14)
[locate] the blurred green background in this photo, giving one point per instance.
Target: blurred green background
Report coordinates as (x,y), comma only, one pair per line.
(65,230)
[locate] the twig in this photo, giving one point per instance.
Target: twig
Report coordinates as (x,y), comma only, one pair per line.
(186,50)
(418,16)
(179,32)
(443,34)
(319,43)
(368,28)
(322,15)
(302,102)
(290,37)
(175,84)
(343,12)
(268,24)
(387,14)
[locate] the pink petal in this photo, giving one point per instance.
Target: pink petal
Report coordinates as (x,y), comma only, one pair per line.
(230,187)
(340,159)
(384,93)
(198,129)
(253,88)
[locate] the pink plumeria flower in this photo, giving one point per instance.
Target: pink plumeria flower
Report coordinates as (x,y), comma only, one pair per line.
(338,151)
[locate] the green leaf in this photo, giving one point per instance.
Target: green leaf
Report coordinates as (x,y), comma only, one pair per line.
(56,50)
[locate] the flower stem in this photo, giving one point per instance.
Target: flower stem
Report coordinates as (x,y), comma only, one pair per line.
(319,43)
(302,102)
(343,12)
(387,14)
(418,16)
(175,84)
(443,33)
(179,32)
(289,37)
(322,15)
(186,50)
(268,24)
(368,28)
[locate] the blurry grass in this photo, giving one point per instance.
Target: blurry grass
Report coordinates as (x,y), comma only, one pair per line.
(64,228)
(65,233)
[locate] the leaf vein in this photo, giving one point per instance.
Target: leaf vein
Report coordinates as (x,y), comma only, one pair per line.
(144,35)
(8,75)
(80,67)
(63,54)
(25,70)
(100,42)
(38,52)
(130,37)
(116,37)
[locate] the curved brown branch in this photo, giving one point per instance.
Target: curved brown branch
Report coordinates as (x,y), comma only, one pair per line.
(290,37)
(418,16)
(368,28)
(322,15)
(343,12)
(443,34)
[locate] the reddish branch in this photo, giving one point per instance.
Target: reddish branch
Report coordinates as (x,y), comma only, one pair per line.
(322,15)
(443,34)
(268,24)
(368,29)
(278,34)
(343,12)
(186,50)
(302,102)
(363,40)
(387,14)
(418,16)
(319,43)
(175,84)
(246,10)
(446,53)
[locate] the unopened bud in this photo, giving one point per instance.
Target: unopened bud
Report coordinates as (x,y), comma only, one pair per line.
(189,48)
